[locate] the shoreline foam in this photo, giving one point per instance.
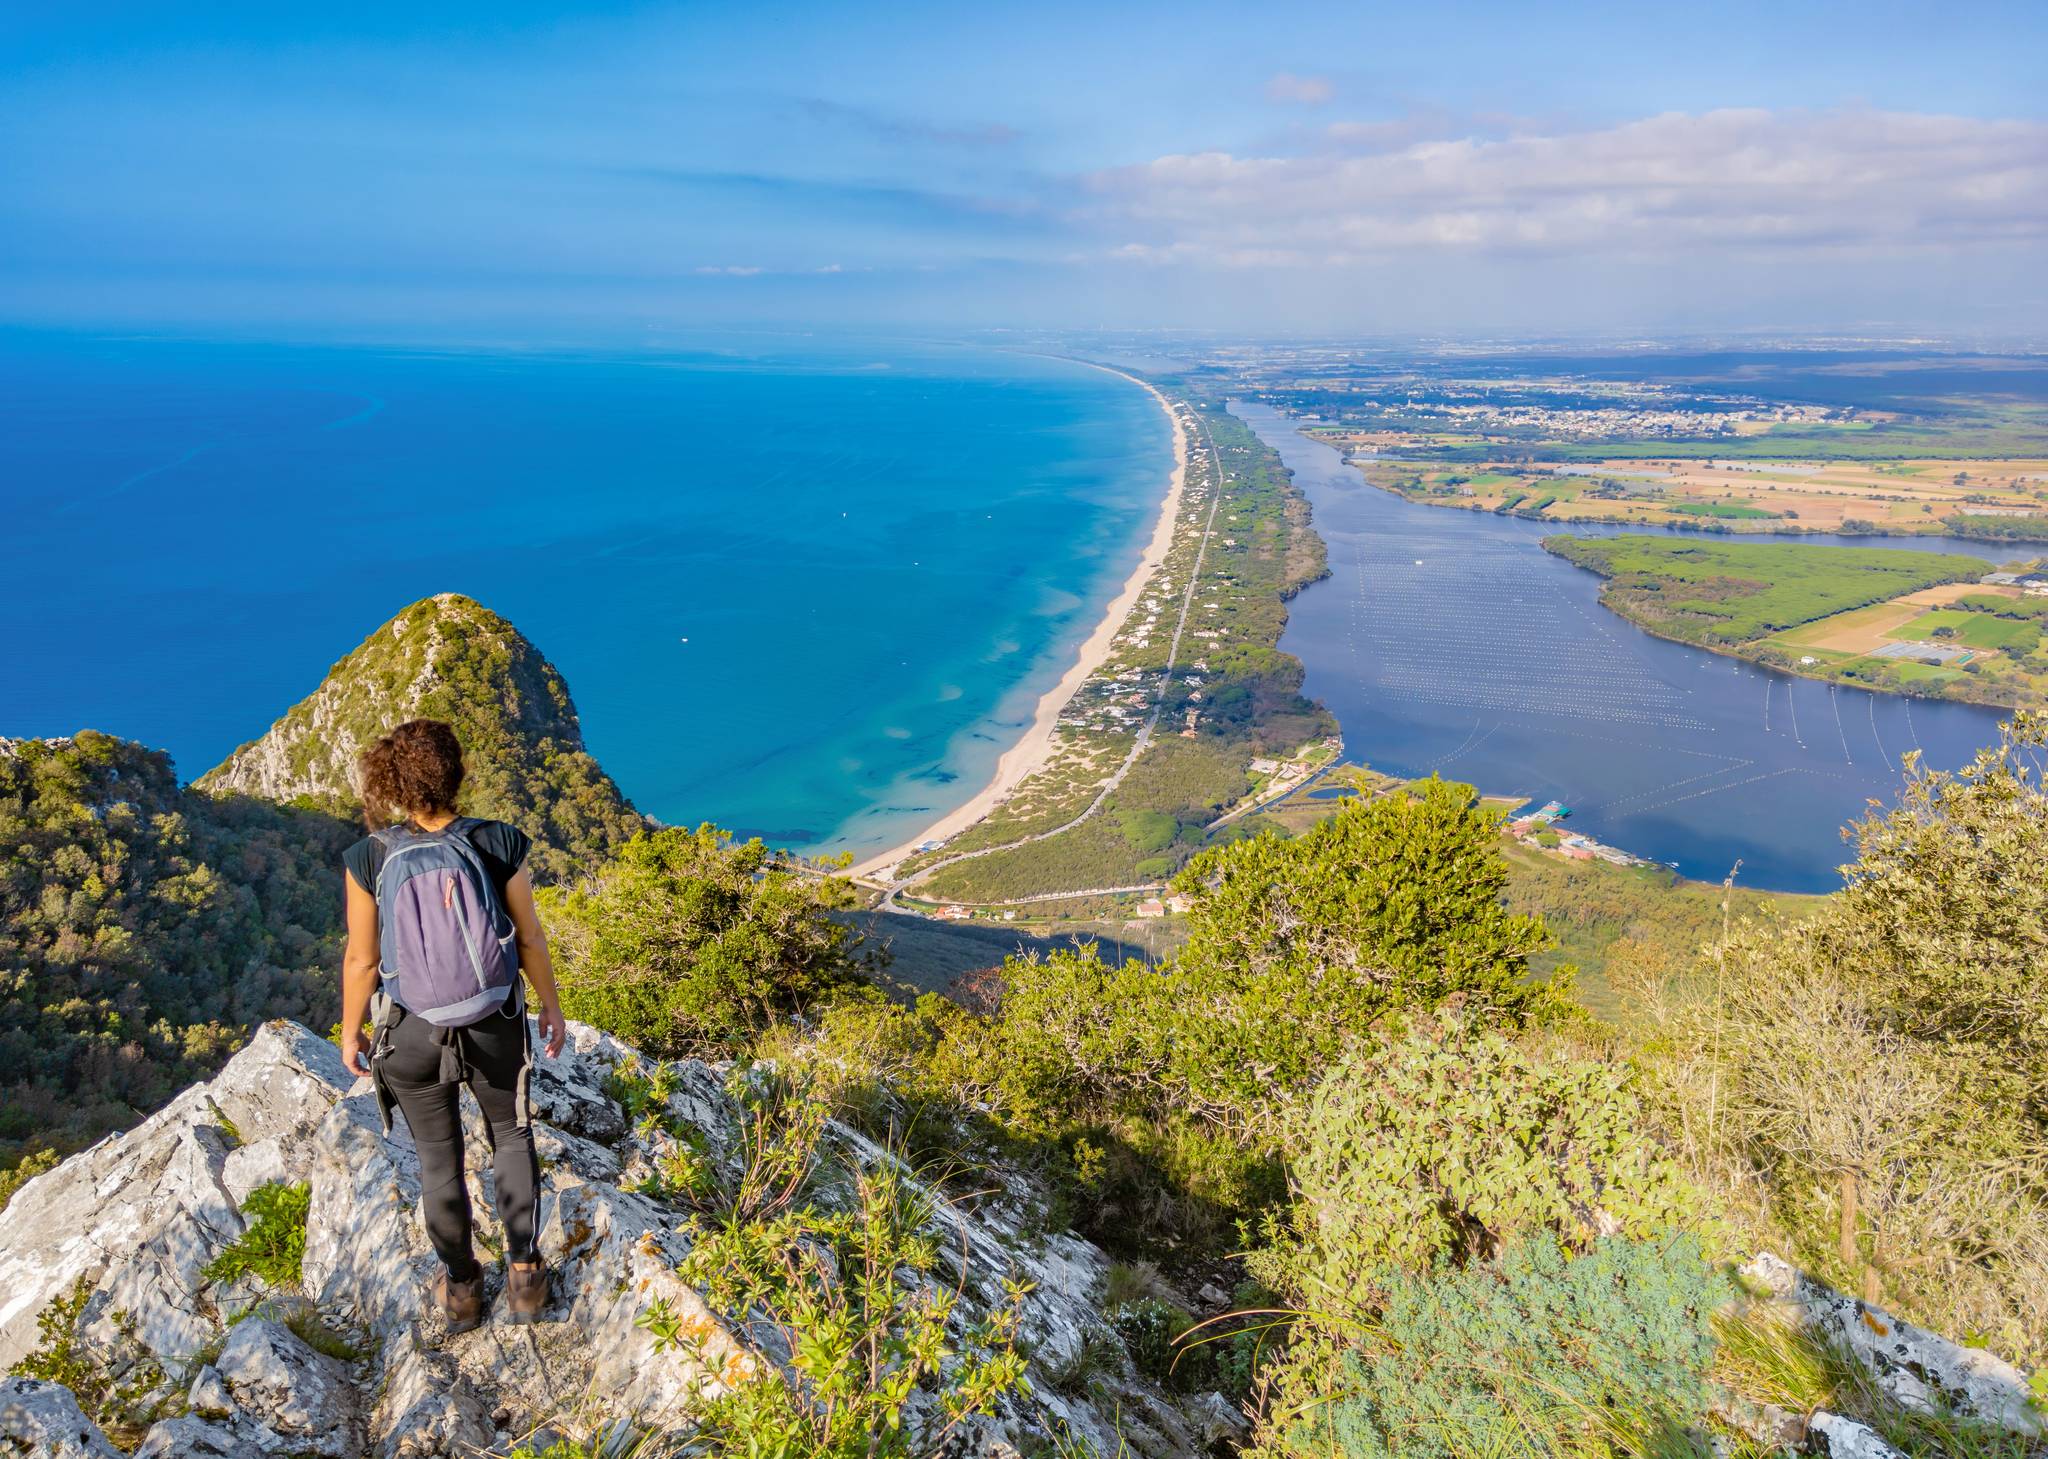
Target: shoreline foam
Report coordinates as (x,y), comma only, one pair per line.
(1033,749)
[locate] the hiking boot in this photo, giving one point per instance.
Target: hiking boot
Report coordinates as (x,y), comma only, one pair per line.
(526,1292)
(461,1303)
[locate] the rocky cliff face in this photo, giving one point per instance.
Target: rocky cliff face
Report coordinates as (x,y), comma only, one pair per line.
(351,1362)
(448,657)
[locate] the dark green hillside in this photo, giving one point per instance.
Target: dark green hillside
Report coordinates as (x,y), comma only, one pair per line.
(142,927)
(448,657)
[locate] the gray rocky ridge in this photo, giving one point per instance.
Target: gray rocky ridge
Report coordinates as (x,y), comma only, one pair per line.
(225,1368)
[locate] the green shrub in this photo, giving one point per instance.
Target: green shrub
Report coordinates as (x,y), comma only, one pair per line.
(274,1246)
(1298,947)
(1150,1330)
(111,1388)
(1538,1353)
(852,1293)
(1875,1077)
(1148,831)
(689,942)
(1447,1145)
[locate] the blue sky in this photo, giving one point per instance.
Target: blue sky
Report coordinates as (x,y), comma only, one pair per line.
(1344,168)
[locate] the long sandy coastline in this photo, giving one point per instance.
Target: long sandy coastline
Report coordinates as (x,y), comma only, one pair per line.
(1033,749)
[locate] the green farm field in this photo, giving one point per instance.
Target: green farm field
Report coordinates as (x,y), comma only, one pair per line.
(1732,592)
(1975,630)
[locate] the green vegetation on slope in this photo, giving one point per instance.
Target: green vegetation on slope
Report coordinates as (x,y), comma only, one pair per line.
(688,941)
(1607,919)
(1474,1221)
(1867,1088)
(449,657)
(1726,593)
(142,928)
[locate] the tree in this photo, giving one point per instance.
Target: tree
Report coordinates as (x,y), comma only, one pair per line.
(690,942)
(1880,1071)
(1296,947)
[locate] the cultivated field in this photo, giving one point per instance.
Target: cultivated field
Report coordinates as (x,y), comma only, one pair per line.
(1730,495)
(1914,622)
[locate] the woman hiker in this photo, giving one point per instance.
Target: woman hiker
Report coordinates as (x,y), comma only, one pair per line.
(441,924)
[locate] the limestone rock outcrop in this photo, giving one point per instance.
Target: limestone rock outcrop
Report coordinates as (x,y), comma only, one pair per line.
(353,1363)
(1919,1369)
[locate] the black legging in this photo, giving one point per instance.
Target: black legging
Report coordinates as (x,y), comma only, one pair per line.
(495,1054)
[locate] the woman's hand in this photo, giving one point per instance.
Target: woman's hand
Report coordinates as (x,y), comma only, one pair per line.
(554,1029)
(352,1051)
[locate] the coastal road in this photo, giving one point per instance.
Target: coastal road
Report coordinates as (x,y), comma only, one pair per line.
(1150,886)
(1144,736)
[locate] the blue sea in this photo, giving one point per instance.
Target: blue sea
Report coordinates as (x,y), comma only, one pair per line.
(804,589)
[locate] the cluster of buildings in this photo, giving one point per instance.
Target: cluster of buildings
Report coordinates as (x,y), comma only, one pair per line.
(2033,582)
(1612,422)
(1538,829)
(1160,906)
(951,913)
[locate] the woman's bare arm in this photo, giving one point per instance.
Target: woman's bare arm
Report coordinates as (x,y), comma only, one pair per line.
(534,961)
(358,974)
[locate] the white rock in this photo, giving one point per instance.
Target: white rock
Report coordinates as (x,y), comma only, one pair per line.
(250,1166)
(427,1407)
(1844,1438)
(195,1436)
(41,1420)
(209,1396)
(281,1382)
(139,1215)
(1919,1369)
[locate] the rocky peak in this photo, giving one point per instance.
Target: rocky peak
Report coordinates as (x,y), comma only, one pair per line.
(448,657)
(126,1231)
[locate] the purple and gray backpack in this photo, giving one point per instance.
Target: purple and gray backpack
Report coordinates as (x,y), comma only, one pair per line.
(444,938)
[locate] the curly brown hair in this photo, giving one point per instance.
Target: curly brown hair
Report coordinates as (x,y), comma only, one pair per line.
(417,768)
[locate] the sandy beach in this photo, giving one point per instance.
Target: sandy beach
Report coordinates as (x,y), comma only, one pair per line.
(1034,748)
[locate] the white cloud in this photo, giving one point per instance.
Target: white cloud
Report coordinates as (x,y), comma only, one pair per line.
(1299,90)
(729,270)
(1664,184)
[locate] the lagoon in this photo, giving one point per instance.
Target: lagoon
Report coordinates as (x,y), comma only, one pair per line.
(1448,641)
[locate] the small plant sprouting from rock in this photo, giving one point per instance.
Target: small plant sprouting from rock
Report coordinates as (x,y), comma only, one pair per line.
(683,1169)
(274,1246)
(113,1390)
(849,1288)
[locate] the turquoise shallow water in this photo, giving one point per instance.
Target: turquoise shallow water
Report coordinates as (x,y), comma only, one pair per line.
(804,590)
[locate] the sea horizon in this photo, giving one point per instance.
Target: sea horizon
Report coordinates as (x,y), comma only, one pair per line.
(920,534)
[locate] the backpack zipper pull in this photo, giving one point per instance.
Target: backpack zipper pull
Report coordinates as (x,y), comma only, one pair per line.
(447,892)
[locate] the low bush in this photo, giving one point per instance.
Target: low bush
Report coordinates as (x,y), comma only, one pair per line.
(842,1264)
(1449,1144)
(273,1248)
(1540,1352)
